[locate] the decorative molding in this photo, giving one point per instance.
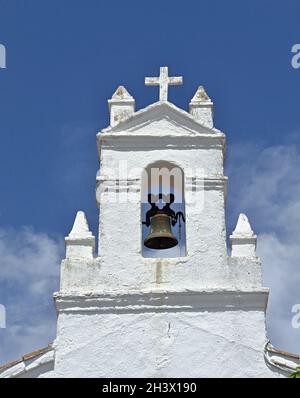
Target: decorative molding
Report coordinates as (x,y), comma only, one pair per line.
(148,141)
(208,183)
(243,240)
(133,186)
(164,301)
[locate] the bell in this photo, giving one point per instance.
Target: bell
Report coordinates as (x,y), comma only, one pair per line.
(161,236)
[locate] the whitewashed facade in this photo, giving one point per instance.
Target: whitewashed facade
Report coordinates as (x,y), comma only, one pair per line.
(123,315)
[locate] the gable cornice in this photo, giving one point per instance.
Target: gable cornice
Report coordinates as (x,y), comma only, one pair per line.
(143,117)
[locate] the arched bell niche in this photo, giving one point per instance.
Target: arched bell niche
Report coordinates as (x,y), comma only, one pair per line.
(163,211)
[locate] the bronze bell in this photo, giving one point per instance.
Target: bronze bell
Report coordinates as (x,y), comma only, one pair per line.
(161,236)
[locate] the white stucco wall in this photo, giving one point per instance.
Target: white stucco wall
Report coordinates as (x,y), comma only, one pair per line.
(183,344)
(122,315)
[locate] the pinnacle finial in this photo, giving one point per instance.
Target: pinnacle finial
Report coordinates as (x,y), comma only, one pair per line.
(121,94)
(243,227)
(80,242)
(121,106)
(201,107)
(200,96)
(80,227)
(243,240)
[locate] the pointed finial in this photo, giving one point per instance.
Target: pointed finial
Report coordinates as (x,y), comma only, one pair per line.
(200,96)
(243,227)
(80,242)
(243,240)
(121,94)
(80,227)
(121,106)
(201,107)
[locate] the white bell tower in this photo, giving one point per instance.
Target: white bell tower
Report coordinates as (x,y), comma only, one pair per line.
(123,314)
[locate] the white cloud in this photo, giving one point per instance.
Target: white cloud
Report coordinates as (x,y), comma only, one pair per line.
(29,270)
(265,183)
(282,274)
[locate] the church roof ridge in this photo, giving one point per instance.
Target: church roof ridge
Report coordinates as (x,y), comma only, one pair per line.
(27,357)
(271,348)
(283,360)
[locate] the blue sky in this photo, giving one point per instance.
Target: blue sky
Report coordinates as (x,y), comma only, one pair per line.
(66,58)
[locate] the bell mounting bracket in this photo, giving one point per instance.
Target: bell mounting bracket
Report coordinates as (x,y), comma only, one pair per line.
(169,199)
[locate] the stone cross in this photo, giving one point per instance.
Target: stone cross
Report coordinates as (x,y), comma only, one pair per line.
(163,81)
